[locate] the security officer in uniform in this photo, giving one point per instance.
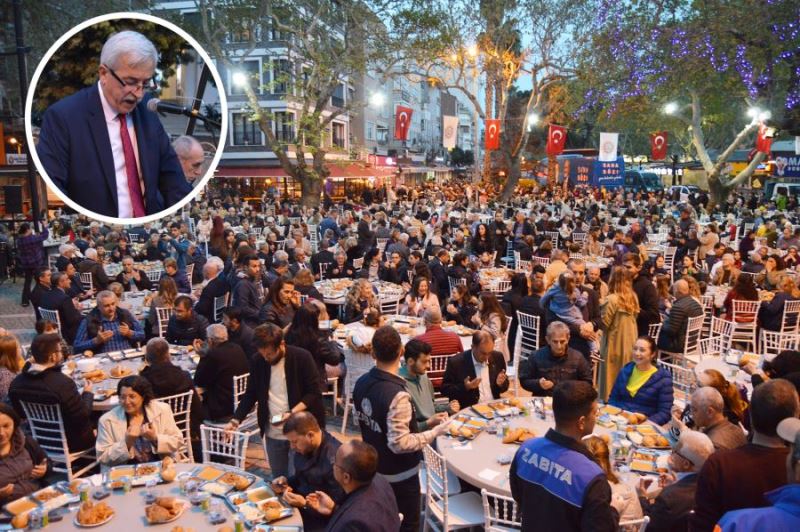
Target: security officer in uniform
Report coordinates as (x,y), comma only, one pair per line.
(382,401)
(554,480)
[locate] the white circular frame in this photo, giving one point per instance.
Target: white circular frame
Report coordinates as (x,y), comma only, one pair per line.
(223,135)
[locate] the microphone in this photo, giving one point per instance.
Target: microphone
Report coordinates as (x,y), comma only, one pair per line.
(157,106)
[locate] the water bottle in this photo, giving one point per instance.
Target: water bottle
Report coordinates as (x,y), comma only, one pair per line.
(35,519)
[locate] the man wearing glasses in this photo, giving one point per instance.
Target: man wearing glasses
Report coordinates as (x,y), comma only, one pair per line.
(102,147)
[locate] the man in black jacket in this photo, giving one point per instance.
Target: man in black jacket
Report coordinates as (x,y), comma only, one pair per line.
(168,379)
(283,380)
(216,369)
(554,363)
(43,382)
(238,332)
(438,267)
(43,285)
(132,278)
(476,375)
(323,256)
(555,480)
(185,325)
(248,292)
(215,286)
(58,300)
(91,265)
(645,292)
(313,459)
(672,337)
(498,232)
(671,508)
(368,503)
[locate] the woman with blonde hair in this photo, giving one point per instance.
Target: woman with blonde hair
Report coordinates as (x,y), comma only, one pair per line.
(619,314)
(359,298)
(11,362)
(165,298)
(629,510)
(663,283)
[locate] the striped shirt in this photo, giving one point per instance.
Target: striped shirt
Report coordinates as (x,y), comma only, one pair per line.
(116,343)
(442,342)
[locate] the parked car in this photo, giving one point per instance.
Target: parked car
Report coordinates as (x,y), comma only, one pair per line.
(682,193)
(641,181)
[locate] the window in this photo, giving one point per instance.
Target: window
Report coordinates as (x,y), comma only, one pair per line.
(338,134)
(382,135)
(278,35)
(422,124)
(284,127)
(337,100)
(370,131)
(281,75)
(252,71)
(245,131)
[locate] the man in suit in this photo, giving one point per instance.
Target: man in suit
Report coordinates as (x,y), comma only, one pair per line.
(438,267)
(476,375)
(66,256)
(299,261)
(90,264)
(103,148)
(294,388)
(216,369)
(58,300)
(368,502)
(673,331)
(42,286)
(670,509)
(215,286)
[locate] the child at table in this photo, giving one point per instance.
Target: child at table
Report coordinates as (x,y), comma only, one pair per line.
(623,496)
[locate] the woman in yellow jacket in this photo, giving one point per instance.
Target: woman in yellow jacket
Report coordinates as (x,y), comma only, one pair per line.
(619,314)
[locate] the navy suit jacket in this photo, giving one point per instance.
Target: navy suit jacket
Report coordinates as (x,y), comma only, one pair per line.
(75,150)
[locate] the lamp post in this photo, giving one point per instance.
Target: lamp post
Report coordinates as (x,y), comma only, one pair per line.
(674,158)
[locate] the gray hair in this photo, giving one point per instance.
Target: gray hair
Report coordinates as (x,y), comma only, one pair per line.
(695,446)
(105,294)
(216,260)
(63,248)
(185,144)
(90,253)
(157,350)
(433,315)
(281,255)
(138,47)
(707,396)
(217,332)
(557,326)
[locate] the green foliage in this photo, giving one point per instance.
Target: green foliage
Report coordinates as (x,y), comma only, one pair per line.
(460,157)
(74,66)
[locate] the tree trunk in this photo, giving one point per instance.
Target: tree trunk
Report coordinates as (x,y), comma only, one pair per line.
(311,190)
(718,192)
(512,177)
(489,110)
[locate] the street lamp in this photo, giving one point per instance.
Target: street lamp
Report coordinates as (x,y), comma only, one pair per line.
(472,50)
(533,119)
(377,99)
(671,108)
(239,79)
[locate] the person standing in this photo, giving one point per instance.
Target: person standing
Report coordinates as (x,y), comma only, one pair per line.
(619,321)
(555,480)
(30,253)
(646,294)
(385,415)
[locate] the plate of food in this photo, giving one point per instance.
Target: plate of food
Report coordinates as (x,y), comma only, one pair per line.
(216,488)
(647,461)
(119,372)
(21,506)
(274,510)
(165,510)
(239,481)
(648,436)
(208,473)
(484,411)
(118,473)
(254,495)
(97,375)
(93,514)
(53,497)
(463,431)
(518,435)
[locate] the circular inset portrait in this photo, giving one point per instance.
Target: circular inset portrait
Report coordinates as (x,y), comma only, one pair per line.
(118,121)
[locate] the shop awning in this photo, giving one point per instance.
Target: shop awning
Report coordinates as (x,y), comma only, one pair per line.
(351,170)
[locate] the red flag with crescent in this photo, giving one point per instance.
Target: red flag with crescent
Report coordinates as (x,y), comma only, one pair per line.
(402,122)
(556,138)
(763,143)
(492,140)
(658,145)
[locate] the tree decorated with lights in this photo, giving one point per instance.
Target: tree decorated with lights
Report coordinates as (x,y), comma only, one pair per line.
(703,64)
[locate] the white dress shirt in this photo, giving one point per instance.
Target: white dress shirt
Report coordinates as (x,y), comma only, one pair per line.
(121,176)
(485,387)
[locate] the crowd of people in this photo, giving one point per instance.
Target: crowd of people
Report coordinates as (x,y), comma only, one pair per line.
(583,263)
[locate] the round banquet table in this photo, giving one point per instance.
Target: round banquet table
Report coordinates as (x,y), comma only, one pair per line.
(476,461)
(113,269)
(334,291)
(134,361)
(129,510)
(406,326)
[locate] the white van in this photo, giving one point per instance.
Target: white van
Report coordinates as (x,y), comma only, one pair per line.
(788,189)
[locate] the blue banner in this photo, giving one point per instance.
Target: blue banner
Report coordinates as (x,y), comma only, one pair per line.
(610,174)
(787,164)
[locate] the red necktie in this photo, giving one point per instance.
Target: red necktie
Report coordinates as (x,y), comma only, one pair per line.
(134,188)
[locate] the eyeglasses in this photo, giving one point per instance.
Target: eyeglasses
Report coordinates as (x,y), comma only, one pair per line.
(144,85)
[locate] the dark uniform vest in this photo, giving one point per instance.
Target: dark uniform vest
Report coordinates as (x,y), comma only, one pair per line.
(372,396)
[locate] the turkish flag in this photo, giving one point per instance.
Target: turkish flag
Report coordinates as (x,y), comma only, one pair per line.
(763,143)
(556,137)
(492,140)
(402,122)
(658,145)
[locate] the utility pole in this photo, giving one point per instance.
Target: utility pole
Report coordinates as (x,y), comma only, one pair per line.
(22,68)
